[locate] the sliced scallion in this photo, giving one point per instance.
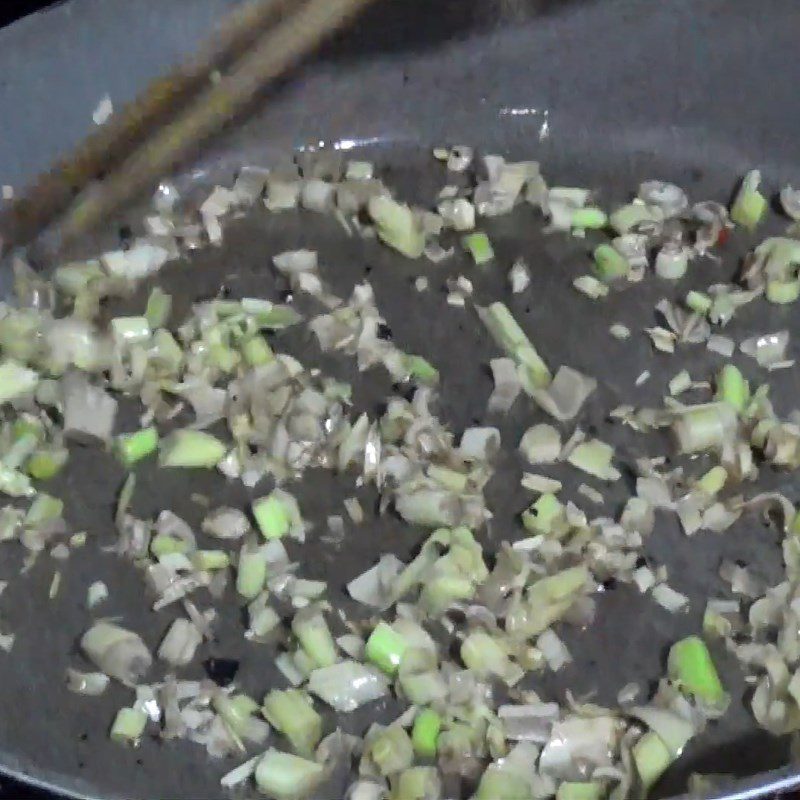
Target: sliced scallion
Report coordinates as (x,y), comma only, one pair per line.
(609,264)
(133,447)
(292,713)
(385,648)
(479,247)
(691,666)
(425,733)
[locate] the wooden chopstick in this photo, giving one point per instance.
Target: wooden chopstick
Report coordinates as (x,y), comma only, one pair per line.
(295,27)
(54,190)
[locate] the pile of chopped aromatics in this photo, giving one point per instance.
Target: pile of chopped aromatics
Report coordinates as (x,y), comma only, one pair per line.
(454,632)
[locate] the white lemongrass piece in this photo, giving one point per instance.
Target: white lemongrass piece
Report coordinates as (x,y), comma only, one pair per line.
(180,643)
(555,652)
(354,510)
(643,378)
(594,457)
(519,276)
(507,385)
(479,444)
(92,684)
(226,523)
(767,349)
(564,397)
(644,579)
(541,444)
(240,774)
(620,331)
(680,383)
(118,652)
(669,598)
(459,158)
(140,261)
(96,594)
(89,411)
(591,494)
(723,345)
(103,111)
(293,262)
(590,286)
(663,340)
(457,213)
(347,685)
(790,202)
(374,587)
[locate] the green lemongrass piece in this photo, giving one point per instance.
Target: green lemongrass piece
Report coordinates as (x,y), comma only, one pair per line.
(251,573)
(128,726)
(449,478)
(235,710)
(713,481)
(510,337)
(425,733)
(16,380)
(392,750)
(629,216)
(420,369)
(782,292)
(508,784)
(130,330)
(609,264)
(479,247)
(292,713)
(272,516)
(485,655)
(189,449)
(210,560)
(732,387)
(417,783)
(589,217)
(385,648)
(257,352)
(223,357)
(704,427)
(282,776)
(166,545)
(315,637)
(543,514)
(44,509)
(699,302)
(652,758)
(594,457)
(15,483)
(749,205)
(20,450)
(580,790)
(133,447)
(690,665)
(159,307)
(45,464)
(166,352)
(397,226)
(73,279)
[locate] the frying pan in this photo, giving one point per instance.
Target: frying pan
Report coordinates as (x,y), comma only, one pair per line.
(603,94)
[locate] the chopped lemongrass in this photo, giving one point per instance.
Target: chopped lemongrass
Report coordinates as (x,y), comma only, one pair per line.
(130,330)
(210,559)
(630,216)
(713,481)
(590,286)
(572,790)
(541,444)
(16,380)
(272,516)
(419,369)
(509,336)
(705,427)
(129,725)
(652,758)
(159,307)
(315,637)
(257,352)
(543,514)
(699,302)
(620,331)
(425,733)
(133,447)
(589,217)
(594,457)
(392,750)
(733,388)
(44,509)
(749,205)
(672,262)
(680,383)
(415,783)
(292,713)
(609,264)
(691,666)
(45,464)
(479,247)
(251,573)
(282,776)
(782,292)
(487,656)
(190,449)
(397,226)
(385,648)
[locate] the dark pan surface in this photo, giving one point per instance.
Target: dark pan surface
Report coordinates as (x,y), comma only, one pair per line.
(604,95)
